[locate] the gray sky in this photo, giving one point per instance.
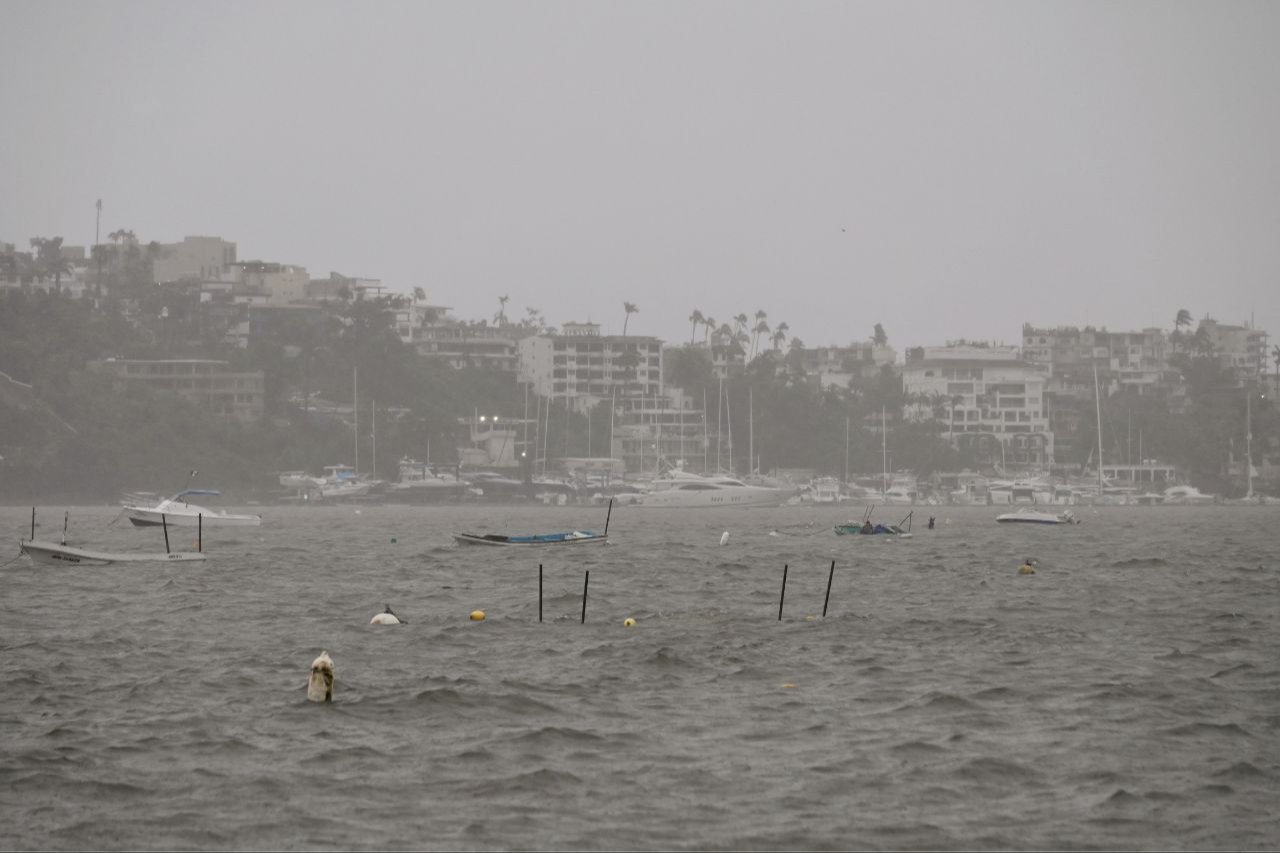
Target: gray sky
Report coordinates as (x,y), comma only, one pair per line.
(950,169)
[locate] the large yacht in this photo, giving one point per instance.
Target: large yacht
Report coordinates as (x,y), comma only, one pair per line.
(691,491)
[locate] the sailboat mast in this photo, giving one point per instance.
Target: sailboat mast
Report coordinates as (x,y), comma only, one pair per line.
(751,431)
(728,422)
(1097,401)
(355,411)
(1248,441)
(884,454)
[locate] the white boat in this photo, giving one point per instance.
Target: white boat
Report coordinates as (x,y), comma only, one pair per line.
(420,483)
(1026,515)
(55,554)
(692,491)
(823,490)
(299,480)
(1187,496)
(177,511)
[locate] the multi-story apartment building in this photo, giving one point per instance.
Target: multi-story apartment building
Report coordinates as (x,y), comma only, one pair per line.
(1125,360)
(198,258)
(585,367)
(207,383)
(994,402)
(279,284)
(471,344)
(1241,348)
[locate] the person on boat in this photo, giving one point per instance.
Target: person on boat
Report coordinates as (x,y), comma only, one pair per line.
(868,527)
(880,528)
(931,522)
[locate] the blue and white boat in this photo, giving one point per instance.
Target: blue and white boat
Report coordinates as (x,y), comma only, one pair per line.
(1026,515)
(570,537)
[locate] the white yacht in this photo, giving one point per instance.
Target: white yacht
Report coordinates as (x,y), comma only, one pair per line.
(1187,496)
(420,483)
(691,491)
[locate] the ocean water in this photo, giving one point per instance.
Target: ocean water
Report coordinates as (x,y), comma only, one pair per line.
(1126,696)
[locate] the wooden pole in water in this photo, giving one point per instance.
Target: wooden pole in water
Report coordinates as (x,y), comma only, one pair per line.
(539,592)
(33,523)
(66,516)
(585,581)
(607,516)
(165,525)
(200,532)
(783,596)
(830,576)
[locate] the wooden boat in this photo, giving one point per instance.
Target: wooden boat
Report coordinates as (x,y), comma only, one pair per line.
(570,537)
(867,527)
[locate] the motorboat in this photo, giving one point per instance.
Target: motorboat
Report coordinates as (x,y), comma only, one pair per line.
(180,512)
(867,527)
(420,483)
(824,490)
(1187,496)
(342,481)
(1027,515)
(693,491)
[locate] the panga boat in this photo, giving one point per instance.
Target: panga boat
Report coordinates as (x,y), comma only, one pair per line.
(571,537)
(177,511)
(54,554)
(62,554)
(1036,516)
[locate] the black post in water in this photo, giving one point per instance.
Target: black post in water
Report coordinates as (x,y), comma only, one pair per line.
(828,598)
(539,592)
(165,525)
(607,515)
(66,516)
(33,524)
(585,581)
(200,531)
(783,596)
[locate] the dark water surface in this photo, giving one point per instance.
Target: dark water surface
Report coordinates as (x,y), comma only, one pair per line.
(1126,696)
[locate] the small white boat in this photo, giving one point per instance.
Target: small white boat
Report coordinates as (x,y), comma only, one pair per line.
(178,512)
(54,554)
(1027,515)
(1187,496)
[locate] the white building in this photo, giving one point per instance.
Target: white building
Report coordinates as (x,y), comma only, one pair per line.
(585,367)
(197,258)
(987,398)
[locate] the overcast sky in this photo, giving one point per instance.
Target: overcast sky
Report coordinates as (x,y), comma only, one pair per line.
(949,169)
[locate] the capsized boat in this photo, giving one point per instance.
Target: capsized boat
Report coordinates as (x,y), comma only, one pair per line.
(1026,515)
(177,511)
(867,527)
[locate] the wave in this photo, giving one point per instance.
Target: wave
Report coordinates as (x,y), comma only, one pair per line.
(1139,562)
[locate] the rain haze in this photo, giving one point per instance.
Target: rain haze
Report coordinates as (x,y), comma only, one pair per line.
(951,170)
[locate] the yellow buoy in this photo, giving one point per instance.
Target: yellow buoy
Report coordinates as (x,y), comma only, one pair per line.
(1027,569)
(789,685)
(629,622)
(477,615)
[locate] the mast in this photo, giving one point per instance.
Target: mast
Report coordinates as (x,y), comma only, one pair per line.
(728,423)
(355,411)
(751,431)
(1248,441)
(373,420)
(1097,402)
(884,455)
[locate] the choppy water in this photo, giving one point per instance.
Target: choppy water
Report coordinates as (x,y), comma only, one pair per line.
(1126,696)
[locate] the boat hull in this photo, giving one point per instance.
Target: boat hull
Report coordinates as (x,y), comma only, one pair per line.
(536,540)
(154,518)
(54,554)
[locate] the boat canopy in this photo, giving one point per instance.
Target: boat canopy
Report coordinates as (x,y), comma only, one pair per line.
(183,494)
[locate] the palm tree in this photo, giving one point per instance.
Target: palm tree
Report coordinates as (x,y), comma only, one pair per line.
(780,334)
(879,337)
(695,318)
(1183,318)
(502,310)
(740,324)
(709,323)
(760,328)
(49,259)
(630,309)
(419,295)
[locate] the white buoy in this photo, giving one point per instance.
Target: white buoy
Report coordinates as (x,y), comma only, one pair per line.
(724,538)
(320,686)
(386,617)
